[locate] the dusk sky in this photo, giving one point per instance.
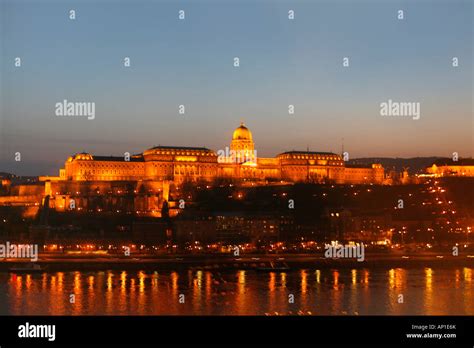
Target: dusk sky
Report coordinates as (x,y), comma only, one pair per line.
(190,62)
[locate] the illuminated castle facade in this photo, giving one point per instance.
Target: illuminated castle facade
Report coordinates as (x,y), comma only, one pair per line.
(240,161)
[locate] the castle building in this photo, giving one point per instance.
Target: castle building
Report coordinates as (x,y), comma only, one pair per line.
(178,164)
(143,183)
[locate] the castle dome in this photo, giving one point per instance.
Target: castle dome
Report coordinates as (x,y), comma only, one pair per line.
(242,133)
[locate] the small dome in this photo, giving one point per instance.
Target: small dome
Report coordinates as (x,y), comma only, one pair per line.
(242,133)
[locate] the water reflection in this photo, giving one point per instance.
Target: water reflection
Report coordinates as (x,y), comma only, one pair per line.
(336,280)
(241,295)
(396,289)
(428,289)
(467,274)
(352,291)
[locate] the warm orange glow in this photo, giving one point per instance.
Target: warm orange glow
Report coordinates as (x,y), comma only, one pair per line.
(186,158)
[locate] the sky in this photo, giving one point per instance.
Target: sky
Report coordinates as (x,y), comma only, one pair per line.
(190,62)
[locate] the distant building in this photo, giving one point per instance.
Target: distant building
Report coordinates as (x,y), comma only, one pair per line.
(462,167)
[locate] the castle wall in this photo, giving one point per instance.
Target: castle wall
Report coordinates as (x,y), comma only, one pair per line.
(268,168)
(363,175)
(80,170)
(144,197)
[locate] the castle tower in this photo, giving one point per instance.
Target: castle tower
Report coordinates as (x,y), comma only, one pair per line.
(242,146)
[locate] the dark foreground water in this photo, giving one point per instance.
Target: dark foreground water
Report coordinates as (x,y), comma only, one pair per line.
(318,292)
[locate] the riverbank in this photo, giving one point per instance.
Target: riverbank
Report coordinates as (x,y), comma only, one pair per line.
(52,263)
